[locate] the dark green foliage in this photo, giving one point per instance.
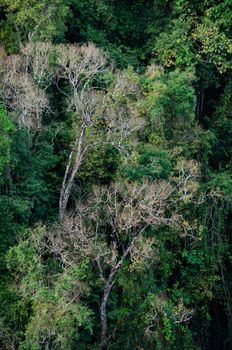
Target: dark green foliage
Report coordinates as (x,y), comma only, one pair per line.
(6,126)
(35,187)
(150,163)
(100,164)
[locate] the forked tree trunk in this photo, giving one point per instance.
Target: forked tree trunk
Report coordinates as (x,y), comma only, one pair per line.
(107,289)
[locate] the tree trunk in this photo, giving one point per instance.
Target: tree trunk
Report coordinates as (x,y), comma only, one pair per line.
(71,171)
(107,289)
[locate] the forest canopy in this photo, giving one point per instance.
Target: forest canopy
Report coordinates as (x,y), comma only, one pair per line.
(115,174)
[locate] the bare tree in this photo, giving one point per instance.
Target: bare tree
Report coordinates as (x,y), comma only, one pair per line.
(78,65)
(127,210)
(22,76)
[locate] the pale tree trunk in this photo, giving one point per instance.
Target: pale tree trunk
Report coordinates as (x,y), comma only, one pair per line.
(75,157)
(107,289)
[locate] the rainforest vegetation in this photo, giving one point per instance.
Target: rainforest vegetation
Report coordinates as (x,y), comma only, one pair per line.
(115,174)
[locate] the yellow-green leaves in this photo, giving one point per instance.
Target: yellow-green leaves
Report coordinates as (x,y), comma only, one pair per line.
(213,45)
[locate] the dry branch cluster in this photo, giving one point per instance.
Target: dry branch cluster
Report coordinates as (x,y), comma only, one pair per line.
(24,100)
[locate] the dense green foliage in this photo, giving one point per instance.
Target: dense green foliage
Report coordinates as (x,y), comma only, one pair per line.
(115,174)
